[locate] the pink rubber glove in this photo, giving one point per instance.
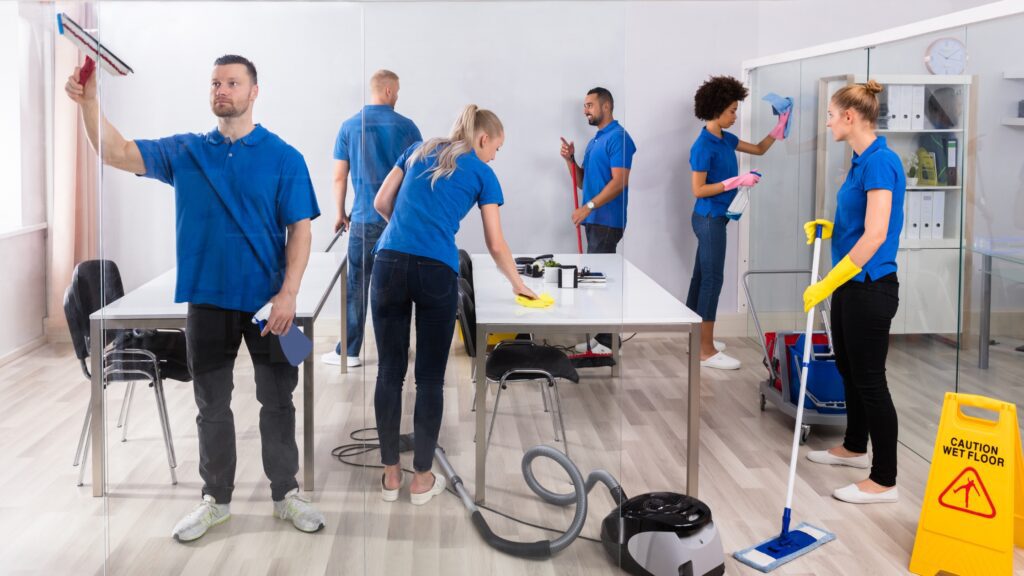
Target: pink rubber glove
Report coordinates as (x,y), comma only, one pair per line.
(779,132)
(746,180)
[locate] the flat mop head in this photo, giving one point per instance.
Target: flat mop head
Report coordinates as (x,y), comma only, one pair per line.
(775,552)
(91,47)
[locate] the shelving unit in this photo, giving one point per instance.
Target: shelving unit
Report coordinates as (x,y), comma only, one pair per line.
(1019,122)
(929,268)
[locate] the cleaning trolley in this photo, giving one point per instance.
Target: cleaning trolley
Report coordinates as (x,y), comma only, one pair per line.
(825,401)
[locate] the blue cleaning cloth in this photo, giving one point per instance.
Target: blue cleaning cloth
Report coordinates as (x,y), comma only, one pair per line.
(779,106)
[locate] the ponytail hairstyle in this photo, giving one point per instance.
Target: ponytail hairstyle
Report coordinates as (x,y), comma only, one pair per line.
(860,97)
(464,133)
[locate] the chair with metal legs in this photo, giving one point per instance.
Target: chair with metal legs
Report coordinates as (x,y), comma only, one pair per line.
(513,360)
(127,357)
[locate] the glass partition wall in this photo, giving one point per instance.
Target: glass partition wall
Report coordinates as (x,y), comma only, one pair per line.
(315,62)
(950,110)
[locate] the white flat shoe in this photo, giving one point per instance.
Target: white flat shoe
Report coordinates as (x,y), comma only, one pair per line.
(826,457)
(719,345)
(421,499)
(855,495)
(721,361)
(389,495)
(331,358)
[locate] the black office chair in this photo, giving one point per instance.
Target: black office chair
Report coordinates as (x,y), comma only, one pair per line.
(518,360)
(128,355)
(466,267)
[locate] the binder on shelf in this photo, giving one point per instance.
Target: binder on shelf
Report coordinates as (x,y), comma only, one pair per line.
(951,154)
(913,215)
(917,108)
(938,214)
(925,214)
(906,106)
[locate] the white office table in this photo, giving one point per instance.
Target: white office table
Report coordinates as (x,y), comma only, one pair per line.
(1009,253)
(630,301)
(152,306)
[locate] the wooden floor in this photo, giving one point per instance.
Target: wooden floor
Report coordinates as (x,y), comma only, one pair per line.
(633,426)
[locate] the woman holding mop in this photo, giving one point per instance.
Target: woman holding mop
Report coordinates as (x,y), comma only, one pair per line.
(429,191)
(715,181)
(864,289)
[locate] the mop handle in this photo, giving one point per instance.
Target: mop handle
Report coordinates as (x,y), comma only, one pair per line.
(576,202)
(808,338)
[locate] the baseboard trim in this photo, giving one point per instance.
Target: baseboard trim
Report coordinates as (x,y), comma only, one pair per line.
(22,350)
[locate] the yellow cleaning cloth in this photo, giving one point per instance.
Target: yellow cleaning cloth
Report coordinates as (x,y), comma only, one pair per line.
(543,301)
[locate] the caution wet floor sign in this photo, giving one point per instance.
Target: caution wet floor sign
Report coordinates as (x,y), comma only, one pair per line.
(973,510)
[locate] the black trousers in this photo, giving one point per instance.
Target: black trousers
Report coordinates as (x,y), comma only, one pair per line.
(862,314)
(214,335)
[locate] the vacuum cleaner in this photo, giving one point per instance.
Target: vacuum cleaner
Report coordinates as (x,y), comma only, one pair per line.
(654,534)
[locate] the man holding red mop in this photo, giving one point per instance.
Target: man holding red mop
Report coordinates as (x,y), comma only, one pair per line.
(238,189)
(605,184)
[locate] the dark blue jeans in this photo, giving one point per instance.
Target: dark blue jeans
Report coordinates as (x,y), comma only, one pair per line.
(362,237)
(399,281)
(709,267)
(602,240)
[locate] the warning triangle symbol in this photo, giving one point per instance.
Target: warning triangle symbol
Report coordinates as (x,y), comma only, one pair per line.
(967,493)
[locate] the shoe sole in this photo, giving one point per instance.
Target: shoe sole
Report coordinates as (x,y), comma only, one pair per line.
(887,501)
(847,464)
(217,523)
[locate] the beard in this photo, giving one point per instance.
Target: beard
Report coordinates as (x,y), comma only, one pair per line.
(595,120)
(227,110)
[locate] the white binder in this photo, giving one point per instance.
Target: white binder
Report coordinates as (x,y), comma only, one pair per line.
(906,106)
(913,215)
(925,215)
(917,107)
(938,214)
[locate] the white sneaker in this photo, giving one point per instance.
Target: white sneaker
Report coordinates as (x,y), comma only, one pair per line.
(352,361)
(721,361)
(826,457)
(389,495)
(719,345)
(595,348)
(421,499)
(205,516)
(298,509)
(855,495)
(332,358)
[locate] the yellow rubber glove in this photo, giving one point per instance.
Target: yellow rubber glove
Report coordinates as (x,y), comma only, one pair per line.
(838,276)
(811,227)
(543,301)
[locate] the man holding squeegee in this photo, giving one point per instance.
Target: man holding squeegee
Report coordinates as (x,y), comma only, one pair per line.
(605,183)
(238,189)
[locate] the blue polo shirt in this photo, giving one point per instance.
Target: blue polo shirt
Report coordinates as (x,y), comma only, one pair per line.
(610,148)
(232,201)
(878,168)
(426,219)
(717,157)
(370,142)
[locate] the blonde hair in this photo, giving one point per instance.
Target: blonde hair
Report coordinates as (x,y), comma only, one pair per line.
(380,78)
(464,133)
(860,97)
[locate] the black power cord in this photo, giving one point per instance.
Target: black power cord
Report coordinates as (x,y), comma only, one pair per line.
(364,445)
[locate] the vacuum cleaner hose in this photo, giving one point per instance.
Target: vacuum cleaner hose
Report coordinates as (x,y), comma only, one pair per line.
(542,548)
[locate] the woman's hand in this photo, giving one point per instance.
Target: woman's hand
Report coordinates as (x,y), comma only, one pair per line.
(522,290)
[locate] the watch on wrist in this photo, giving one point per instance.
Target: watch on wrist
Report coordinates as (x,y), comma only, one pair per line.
(590,205)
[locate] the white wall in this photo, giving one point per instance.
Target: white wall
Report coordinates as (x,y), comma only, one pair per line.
(531,62)
(10,123)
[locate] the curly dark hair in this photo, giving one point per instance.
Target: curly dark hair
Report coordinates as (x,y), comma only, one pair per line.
(716,95)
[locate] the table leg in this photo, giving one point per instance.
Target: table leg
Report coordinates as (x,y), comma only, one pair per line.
(99,439)
(307,412)
(693,415)
(343,282)
(481,412)
(616,345)
(985,331)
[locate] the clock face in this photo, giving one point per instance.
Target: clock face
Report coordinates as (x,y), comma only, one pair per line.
(946,56)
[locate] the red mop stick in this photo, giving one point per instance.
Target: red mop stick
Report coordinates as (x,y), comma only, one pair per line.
(576,202)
